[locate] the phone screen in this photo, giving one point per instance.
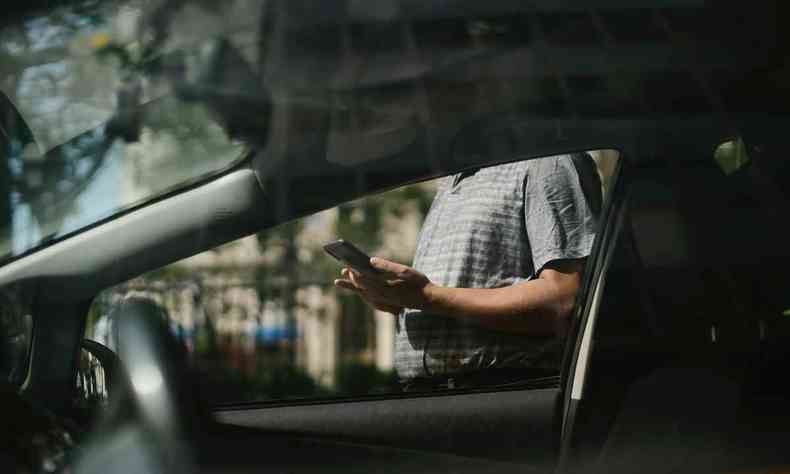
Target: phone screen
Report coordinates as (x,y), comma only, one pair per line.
(349,254)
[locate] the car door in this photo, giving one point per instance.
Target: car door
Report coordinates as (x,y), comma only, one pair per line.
(364,100)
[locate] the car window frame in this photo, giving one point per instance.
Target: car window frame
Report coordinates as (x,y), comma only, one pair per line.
(575,364)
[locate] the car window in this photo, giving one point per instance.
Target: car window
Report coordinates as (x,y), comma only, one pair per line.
(262,320)
(94,119)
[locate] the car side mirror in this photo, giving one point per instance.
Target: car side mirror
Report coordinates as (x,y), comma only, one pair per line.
(97,375)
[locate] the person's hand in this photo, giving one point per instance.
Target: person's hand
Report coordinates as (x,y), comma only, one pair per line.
(399,286)
(347,283)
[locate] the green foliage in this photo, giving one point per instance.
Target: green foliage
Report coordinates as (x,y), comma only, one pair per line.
(284,268)
(206,342)
(356,322)
(282,235)
(361,221)
(417,193)
(169,273)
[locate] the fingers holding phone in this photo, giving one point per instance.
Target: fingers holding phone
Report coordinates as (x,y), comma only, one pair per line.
(350,281)
(359,275)
(349,254)
(382,283)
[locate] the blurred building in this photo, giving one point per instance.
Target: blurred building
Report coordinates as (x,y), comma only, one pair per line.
(214,303)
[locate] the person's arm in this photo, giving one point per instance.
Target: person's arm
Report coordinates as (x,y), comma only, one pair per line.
(560,226)
(540,306)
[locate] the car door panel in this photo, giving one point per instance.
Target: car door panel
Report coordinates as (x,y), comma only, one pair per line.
(241,450)
(512,425)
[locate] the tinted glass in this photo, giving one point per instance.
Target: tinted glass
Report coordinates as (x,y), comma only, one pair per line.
(100,110)
(262,320)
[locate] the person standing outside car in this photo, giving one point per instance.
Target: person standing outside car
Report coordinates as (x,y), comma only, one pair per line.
(498,265)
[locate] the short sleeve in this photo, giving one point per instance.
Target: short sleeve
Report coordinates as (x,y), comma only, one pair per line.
(560,224)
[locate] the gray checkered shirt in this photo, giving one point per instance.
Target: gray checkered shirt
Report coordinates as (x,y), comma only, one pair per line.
(491,228)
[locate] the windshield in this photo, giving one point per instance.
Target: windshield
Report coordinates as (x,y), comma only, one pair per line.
(106,105)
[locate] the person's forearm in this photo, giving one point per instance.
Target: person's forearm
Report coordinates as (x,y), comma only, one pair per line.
(536,307)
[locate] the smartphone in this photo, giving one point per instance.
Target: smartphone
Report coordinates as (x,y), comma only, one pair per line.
(349,254)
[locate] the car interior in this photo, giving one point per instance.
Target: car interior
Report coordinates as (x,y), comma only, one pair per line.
(684,371)
(684,298)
